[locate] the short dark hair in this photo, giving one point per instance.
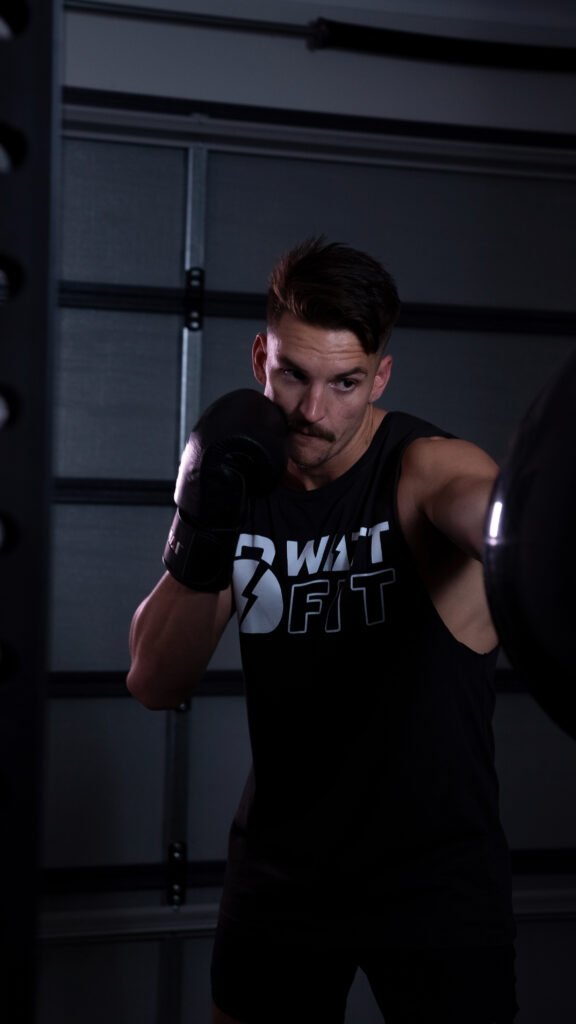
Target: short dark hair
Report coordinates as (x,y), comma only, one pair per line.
(331,284)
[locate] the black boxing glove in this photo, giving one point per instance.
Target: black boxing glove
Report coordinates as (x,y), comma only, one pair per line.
(236,450)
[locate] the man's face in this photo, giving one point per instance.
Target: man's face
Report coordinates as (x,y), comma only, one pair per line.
(325,382)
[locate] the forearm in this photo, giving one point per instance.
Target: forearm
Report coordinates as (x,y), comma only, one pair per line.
(237,448)
(173,634)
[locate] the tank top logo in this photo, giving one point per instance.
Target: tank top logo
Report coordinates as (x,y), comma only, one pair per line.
(316,576)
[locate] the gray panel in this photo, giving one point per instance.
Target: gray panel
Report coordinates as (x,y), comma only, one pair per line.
(103,783)
(362,1008)
(196,995)
(105,561)
(118,395)
(123,213)
(447,237)
(536,762)
(92,982)
(475,385)
(227,357)
(219,763)
(227,654)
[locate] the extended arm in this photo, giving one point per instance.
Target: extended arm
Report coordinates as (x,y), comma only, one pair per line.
(450,482)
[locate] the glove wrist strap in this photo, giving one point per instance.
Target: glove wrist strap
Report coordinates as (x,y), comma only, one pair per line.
(198,557)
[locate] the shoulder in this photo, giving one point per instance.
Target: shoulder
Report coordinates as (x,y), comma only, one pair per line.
(440,473)
(437,457)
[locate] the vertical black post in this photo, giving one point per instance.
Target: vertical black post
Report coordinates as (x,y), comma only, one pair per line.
(29,128)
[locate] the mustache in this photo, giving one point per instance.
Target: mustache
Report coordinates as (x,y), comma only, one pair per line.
(302,427)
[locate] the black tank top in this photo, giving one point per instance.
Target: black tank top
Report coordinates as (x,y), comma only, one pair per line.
(371,811)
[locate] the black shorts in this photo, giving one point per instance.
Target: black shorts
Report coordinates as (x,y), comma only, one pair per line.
(256,982)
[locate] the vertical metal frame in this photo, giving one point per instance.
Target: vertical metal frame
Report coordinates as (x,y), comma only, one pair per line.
(177,754)
(192,337)
(29,125)
(177,763)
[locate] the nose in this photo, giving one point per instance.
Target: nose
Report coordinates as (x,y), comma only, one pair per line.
(312,404)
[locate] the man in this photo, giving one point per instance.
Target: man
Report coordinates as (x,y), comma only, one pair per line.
(368,834)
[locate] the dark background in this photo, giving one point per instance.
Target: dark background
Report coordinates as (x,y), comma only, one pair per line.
(191,146)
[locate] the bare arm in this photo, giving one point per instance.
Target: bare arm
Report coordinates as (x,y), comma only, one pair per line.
(450,482)
(173,634)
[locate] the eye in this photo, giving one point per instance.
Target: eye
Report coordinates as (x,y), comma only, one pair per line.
(346,384)
(293,374)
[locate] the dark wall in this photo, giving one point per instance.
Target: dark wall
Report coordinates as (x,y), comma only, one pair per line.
(167,171)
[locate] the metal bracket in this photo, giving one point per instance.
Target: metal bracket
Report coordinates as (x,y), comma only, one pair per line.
(194,298)
(176,873)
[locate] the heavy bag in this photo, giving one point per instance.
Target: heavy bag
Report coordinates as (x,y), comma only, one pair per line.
(530,551)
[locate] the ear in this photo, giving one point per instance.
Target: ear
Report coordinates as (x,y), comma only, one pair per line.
(381,378)
(259,353)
